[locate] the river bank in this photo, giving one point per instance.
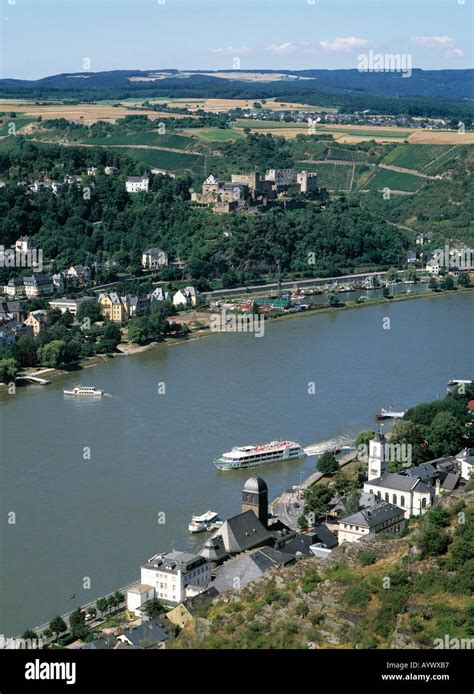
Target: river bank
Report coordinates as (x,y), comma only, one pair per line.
(127,349)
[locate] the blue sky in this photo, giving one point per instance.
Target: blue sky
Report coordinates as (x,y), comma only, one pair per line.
(44,37)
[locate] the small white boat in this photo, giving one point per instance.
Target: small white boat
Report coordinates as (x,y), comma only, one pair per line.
(201,523)
(84,390)
(390,414)
(458,382)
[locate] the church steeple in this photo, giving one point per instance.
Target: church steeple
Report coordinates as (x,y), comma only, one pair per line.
(377,458)
(255,498)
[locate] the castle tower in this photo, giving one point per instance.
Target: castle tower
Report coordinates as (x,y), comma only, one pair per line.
(377,457)
(255,498)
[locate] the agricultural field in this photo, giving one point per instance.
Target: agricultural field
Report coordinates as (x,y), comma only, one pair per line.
(220,105)
(360,133)
(84,113)
(150,138)
(215,134)
(168,161)
(395,180)
(416,157)
(347,155)
(334,177)
(438,165)
(441,137)
(19,123)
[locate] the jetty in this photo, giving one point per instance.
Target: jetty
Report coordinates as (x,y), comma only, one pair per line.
(29,378)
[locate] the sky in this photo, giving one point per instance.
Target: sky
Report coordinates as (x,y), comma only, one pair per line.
(47,37)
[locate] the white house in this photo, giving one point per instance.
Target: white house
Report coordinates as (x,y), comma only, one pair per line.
(409,493)
(158,294)
(138,595)
(381,518)
(186,297)
(154,258)
(137,184)
(70,305)
(466,458)
(172,574)
(37,285)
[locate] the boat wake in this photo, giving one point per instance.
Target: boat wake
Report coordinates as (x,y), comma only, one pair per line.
(329,444)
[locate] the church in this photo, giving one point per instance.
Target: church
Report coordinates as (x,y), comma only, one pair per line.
(409,493)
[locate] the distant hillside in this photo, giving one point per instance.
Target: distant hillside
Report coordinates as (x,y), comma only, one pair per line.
(430,92)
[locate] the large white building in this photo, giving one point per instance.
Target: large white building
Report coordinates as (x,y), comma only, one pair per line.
(137,184)
(186,297)
(176,575)
(369,522)
(154,258)
(409,493)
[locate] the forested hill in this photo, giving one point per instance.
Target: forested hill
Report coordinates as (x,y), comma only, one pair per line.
(425,93)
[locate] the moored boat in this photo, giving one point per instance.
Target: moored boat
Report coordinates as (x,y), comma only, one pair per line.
(203,522)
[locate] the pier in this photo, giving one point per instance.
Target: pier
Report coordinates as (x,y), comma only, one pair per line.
(33,379)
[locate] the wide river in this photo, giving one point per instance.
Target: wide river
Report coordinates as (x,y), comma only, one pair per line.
(79,517)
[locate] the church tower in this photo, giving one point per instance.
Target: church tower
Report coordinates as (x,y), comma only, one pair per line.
(255,498)
(377,458)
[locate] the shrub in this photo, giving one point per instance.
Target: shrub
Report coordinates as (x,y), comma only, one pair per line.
(367,558)
(358,596)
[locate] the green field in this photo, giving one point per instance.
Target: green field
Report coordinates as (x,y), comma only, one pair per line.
(439,164)
(146,137)
(217,134)
(18,122)
(269,125)
(395,180)
(335,177)
(347,154)
(415,157)
(171,161)
(364,132)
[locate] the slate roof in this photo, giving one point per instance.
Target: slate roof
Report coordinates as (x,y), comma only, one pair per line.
(451,481)
(237,572)
(146,635)
(370,517)
(243,532)
(400,483)
(424,472)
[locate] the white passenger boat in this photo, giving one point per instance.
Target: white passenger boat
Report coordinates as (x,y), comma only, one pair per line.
(203,522)
(84,390)
(250,456)
(390,414)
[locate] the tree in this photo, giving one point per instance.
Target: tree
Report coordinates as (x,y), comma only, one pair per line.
(447,283)
(316,499)
(352,504)
(333,299)
(53,353)
(432,542)
(92,612)
(77,623)
(89,309)
(410,434)
(327,463)
(302,522)
(102,605)
(57,626)
(445,435)
(363,438)
(29,635)
(433,284)
(153,608)
(392,274)
(464,279)
(8,370)
(139,330)
(410,274)
(24,351)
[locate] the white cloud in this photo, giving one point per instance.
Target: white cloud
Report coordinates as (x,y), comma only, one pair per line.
(454,53)
(432,41)
(343,45)
(287,47)
(230,50)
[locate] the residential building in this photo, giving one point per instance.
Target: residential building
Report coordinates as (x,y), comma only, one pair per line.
(37,285)
(70,305)
(159,294)
(238,571)
(7,336)
(173,574)
(186,297)
(114,307)
(137,304)
(11,310)
(154,258)
(148,635)
(466,459)
(14,287)
(79,274)
(137,184)
(59,281)
(92,170)
(382,518)
(38,320)
(409,493)
(410,258)
(138,595)
(24,244)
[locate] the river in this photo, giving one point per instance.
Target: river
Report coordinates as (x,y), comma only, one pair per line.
(96,517)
